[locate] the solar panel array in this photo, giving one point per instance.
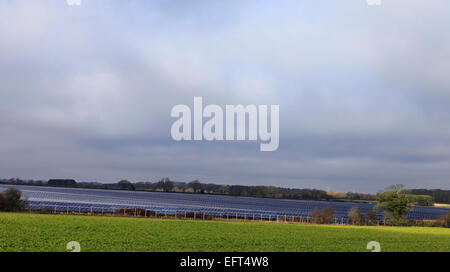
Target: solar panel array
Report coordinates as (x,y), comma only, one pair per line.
(97,200)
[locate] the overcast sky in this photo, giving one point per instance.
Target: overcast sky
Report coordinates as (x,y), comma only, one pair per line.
(364,91)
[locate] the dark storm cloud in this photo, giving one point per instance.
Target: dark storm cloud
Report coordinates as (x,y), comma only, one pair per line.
(364,94)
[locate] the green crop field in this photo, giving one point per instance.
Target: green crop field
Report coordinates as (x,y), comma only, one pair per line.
(34,232)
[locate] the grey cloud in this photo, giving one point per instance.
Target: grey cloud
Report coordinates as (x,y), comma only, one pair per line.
(363,91)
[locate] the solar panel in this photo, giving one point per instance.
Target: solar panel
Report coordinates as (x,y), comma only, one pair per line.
(83,200)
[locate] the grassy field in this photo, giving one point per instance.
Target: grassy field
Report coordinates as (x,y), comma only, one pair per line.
(26,232)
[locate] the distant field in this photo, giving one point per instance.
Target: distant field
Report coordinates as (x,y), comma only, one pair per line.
(25,232)
(442,205)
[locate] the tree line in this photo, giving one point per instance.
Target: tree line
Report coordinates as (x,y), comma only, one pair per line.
(197,187)
(439,196)
(167,185)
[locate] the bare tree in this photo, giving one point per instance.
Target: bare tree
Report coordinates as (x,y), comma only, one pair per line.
(355,216)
